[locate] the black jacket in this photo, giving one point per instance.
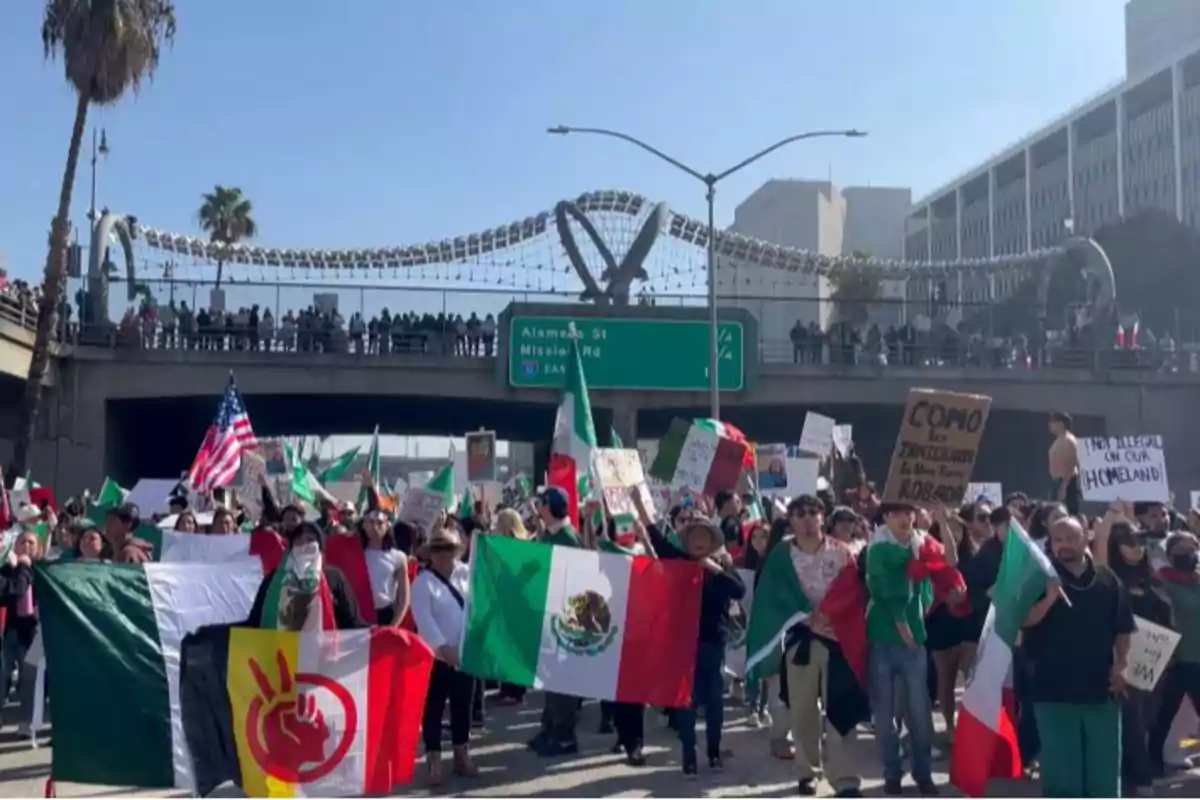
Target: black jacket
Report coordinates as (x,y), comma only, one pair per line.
(15,581)
(719,591)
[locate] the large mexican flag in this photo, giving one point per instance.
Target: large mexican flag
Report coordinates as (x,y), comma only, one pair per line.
(581,622)
(985,744)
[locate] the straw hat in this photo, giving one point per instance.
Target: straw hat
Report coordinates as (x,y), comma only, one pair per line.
(442,539)
(510,522)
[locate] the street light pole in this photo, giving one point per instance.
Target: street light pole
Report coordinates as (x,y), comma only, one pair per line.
(99,148)
(710,182)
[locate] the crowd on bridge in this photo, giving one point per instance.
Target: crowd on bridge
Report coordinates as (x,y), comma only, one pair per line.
(856,615)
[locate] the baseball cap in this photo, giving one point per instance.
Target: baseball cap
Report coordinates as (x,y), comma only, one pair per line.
(556,501)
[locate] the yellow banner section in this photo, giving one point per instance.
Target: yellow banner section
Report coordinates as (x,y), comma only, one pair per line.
(268,720)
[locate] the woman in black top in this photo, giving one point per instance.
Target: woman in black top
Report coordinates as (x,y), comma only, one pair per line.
(1127,557)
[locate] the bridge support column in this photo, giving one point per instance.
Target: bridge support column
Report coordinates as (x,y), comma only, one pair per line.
(625,421)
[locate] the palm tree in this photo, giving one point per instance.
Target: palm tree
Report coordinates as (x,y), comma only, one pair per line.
(225,215)
(108,48)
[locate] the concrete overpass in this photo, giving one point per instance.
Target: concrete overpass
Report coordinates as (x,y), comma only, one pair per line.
(134,413)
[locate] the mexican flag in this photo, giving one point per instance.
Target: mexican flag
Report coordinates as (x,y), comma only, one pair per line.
(337,469)
(581,622)
(123,725)
(287,714)
(443,484)
(110,494)
(574,437)
(699,457)
(373,468)
(985,744)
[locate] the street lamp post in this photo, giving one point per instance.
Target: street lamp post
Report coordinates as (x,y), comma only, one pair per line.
(710,181)
(99,148)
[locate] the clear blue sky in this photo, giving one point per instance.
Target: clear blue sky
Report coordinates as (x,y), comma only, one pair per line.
(374,122)
(391,122)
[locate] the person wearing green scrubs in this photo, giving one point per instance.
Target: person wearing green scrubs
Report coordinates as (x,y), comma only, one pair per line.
(1077,638)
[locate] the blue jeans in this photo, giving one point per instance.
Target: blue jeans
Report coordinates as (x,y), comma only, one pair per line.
(892,662)
(708,691)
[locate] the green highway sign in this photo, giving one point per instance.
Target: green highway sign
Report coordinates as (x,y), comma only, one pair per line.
(653,354)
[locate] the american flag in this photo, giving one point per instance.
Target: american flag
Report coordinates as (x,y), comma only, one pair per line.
(220,455)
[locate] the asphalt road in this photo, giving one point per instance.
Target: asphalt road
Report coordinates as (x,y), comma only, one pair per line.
(507,769)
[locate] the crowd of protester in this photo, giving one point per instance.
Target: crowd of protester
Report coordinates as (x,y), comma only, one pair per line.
(1082,729)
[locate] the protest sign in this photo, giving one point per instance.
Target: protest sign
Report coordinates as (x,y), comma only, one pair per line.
(802,476)
(274,453)
(481,456)
(772,466)
(935,449)
(152,495)
(984,493)
(618,470)
(843,439)
(1130,468)
(1195,501)
(816,436)
(1150,649)
(421,507)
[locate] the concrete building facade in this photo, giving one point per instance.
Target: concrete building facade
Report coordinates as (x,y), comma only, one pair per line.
(821,218)
(1133,146)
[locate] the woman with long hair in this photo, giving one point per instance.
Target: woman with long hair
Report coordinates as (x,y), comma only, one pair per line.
(16,594)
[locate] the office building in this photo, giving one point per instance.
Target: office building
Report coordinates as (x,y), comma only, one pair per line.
(818,217)
(1133,146)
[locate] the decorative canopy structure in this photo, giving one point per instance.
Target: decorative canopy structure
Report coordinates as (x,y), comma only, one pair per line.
(680,228)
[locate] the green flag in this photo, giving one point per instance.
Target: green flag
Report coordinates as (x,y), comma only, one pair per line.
(337,469)
(301,477)
(110,494)
(373,467)
(616,439)
(443,484)
(466,504)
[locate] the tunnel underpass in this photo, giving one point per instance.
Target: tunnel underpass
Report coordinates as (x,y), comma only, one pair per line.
(159,438)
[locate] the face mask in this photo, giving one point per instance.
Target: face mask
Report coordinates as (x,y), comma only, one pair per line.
(304,567)
(1185,562)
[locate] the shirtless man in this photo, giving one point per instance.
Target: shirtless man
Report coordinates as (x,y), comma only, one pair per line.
(1064,462)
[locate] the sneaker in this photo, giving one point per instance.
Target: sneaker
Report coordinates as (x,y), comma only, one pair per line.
(689,767)
(715,764)
(807,787)
(765,718)
(755,720)
(554,749)
(636,758)
(892,787)
(927,788)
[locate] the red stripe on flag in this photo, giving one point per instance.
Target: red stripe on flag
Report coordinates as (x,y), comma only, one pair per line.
(981,754)
(845,605)
(726,468)
(562,473)
(397,683)
(346,553)
(658,653)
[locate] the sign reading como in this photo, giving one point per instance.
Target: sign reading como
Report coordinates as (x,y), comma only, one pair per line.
(656,355)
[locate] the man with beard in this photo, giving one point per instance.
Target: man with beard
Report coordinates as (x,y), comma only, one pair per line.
(1077,638)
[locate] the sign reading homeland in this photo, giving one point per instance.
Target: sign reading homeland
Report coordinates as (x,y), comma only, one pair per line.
(1150,649)
(935,449)
(1129,468)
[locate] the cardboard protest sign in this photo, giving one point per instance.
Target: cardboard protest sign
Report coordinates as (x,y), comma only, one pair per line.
(481,456)
(935,449)
(421,507)
(1131,468)
(816,437)
(1150,649)
(772,463)
(618,470)
(984,493)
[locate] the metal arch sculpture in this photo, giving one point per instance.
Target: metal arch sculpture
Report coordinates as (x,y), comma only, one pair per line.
(1089,256)
(97,278)
(618,277)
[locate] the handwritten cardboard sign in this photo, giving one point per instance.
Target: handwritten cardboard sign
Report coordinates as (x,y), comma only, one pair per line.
(843,439)
(1150,649)
(1129,468)
(618,470)
(421,507)
(935,449)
